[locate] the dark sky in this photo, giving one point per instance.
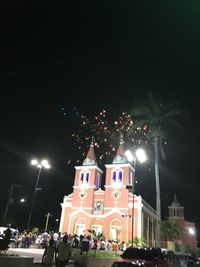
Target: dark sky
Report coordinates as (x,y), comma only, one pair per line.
(92,56)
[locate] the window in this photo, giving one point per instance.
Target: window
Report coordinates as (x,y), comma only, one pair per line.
(87,177)
(131,178)
(117,176)
(97,181)
(114,176)
(120,176)
(84,177)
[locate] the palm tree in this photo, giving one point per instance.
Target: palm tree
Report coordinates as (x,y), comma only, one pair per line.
(170,230)
(139,242)
(151,116)
(98,236)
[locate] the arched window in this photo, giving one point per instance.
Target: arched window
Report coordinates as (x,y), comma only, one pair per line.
(117,176)
(87,177)
(114,174)
(120,176)
(97,181)
(131,178)
(84,177)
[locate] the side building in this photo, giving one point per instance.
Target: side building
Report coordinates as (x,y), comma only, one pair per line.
(188,235)
(110,210)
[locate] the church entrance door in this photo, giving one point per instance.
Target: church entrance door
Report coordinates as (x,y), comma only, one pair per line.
(80,229)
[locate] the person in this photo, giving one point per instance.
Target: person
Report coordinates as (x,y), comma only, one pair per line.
(75,242)
(123,246)
(102,245)
(63,252)
(7,233)
(109,245)
(55,239)
(47,258)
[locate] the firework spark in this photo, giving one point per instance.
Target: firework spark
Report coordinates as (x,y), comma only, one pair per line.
(106,134)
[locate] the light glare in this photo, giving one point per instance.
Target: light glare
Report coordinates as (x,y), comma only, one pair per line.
(141,156)
(34,162)
(45,163)
(191,231)
(129,156)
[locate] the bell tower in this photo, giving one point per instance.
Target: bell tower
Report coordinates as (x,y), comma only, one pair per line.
(176,211)
(119,174)
(87,181)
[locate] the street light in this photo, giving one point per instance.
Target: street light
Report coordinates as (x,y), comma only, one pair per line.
(22,200)
(47,220)
(191,231)
(39,164)
(9,201)
(141,156)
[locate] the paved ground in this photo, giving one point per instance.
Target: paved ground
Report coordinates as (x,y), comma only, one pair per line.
(28,252)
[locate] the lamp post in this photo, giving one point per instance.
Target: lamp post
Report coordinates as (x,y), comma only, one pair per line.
(9,201)
(42,164)
(47,220)
(141,156)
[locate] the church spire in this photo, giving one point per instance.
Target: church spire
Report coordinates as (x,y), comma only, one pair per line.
(175,202)
(120,155)
(90,157)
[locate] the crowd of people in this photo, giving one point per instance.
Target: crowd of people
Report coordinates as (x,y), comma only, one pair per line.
(59,246)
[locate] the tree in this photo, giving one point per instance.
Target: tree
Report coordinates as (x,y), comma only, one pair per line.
(152,116)
(170,230)
(139,242)
(98,236)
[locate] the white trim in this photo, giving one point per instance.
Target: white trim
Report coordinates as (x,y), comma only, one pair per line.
(101,193)
(84,185)
(62,220)
(88,167)
(120,165)
(75,208)
(95,215)
(66,205)
(136,205)
(115,185)
(69,224)
(117,208)
(68,196)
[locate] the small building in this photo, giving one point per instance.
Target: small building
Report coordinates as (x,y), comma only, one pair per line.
(110,210)
(188,229)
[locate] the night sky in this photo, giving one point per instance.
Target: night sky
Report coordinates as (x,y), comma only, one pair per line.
(59,61)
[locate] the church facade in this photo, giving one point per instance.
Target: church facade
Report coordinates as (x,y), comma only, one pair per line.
(108,211)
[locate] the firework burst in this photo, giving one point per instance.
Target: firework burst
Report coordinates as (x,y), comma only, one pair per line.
(106,134)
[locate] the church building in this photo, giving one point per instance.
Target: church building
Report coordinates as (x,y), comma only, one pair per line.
(110,210)
(188,234)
